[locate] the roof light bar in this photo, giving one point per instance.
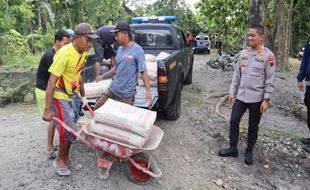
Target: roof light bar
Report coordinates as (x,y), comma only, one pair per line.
(160,19)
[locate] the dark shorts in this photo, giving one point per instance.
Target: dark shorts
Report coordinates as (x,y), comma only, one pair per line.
(64,110)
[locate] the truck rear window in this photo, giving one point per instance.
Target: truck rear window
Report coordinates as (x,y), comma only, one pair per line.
(153,38)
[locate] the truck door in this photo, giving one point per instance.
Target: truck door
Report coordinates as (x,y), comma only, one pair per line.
(183,54)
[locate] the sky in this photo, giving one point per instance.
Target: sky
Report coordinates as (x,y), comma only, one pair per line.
(189,2)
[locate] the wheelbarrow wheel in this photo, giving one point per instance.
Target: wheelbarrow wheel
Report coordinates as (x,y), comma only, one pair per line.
(137,176)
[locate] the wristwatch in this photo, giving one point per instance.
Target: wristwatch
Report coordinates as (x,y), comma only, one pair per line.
(267,100)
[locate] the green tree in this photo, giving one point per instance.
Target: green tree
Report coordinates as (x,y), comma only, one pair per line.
(177,8)
(229,18)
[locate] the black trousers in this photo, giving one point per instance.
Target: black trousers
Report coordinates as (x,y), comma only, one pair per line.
(238,110)
(307,103)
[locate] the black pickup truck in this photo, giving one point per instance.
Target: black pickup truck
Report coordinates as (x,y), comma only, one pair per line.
(173,71)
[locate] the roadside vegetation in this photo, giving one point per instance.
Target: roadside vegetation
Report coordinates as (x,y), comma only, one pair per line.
(27,26)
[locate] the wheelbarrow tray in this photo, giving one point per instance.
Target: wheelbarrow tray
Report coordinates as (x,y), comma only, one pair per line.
(152,142)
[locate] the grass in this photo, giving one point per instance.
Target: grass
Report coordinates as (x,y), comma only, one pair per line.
(294,64)
(194,100)
(277,133)
(28,62)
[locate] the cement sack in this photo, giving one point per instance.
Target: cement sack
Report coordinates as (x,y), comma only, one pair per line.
(126,117)
(150,58)
(162,55)
(151,70)
(95,89)
(117,134)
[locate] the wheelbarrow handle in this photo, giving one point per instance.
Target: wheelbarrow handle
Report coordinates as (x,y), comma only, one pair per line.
(90,109)
(72,131)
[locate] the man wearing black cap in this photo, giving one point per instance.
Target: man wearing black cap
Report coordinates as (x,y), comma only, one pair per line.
(65,81)
(103,50)
(129,61)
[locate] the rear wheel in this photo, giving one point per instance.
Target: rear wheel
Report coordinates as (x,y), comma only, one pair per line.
(174,110)
(137,176)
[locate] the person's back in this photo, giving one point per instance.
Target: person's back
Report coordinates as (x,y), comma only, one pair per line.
(104,33)
(103,52)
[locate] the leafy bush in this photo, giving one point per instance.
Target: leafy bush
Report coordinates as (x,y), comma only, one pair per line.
(15,52)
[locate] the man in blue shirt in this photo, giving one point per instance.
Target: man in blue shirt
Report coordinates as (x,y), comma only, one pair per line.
(129,62)
(304,72)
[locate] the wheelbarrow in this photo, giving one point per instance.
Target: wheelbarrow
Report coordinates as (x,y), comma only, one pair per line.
(141,166)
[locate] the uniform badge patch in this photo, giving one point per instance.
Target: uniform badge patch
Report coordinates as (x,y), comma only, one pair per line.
(271,60)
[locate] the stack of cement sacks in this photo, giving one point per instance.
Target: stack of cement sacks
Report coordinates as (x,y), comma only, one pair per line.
(151,66)
(123,123)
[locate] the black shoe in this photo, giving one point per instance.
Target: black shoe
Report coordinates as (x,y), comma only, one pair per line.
(306,148)
(305,140)
(226,152)
(248,159)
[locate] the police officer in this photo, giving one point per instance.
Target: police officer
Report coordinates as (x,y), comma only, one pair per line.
(103,50)
(251,87)
(304,72)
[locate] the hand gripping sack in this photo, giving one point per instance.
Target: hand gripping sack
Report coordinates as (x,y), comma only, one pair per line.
(126,117)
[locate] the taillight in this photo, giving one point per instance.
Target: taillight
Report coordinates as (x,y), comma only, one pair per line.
(163,79)
(162,82)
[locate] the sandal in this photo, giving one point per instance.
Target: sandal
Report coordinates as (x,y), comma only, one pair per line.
(61,171)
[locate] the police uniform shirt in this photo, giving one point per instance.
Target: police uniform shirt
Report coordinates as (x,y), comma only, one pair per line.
(254,75)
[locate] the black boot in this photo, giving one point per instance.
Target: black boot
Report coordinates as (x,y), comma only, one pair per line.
(226,152)
(248,159)
(305,140)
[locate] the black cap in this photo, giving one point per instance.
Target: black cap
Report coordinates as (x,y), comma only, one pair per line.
(121,26)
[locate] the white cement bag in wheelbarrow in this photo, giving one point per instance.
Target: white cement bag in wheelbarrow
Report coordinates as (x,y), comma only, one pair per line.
(116,134)
(126,117)
(95,89)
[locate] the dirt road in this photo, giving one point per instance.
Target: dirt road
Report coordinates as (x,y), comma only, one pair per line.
(187,155)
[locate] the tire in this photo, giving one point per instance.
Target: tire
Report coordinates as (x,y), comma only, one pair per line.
(137,176)
(208,51)
(189,77)
(173,111)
